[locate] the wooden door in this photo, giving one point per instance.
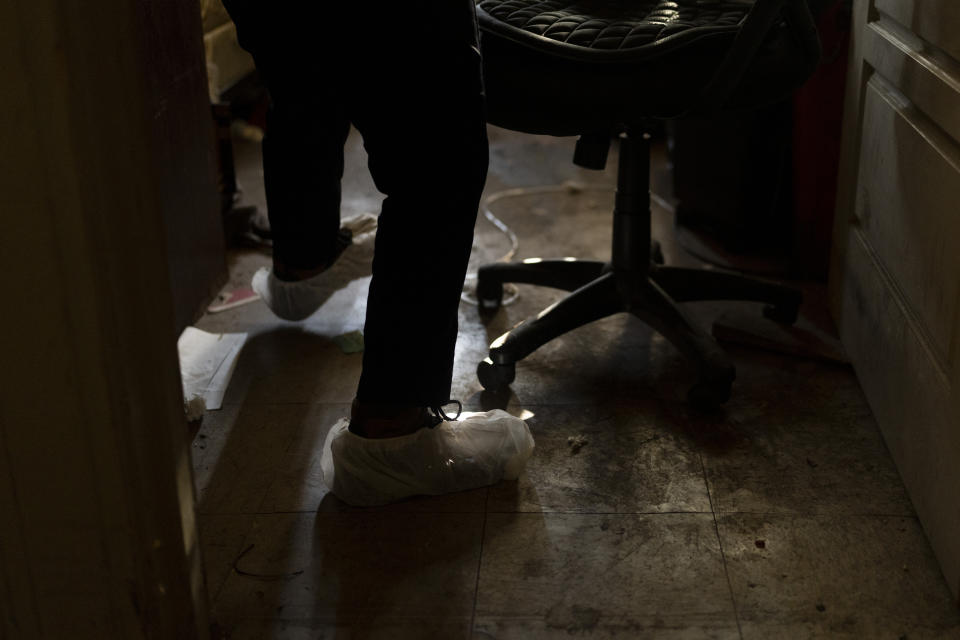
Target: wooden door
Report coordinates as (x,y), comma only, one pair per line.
(895,272)
(98,537)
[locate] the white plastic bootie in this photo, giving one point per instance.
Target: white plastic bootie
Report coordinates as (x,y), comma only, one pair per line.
(300,299)
(292,300)
(474,451)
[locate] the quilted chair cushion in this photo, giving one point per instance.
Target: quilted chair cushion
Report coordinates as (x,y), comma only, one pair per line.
(610,29)
(566,67)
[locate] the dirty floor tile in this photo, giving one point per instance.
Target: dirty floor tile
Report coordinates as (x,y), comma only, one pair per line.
(547,575)
(348,569)
(592,459)
(835,576)
(288,363)
(238,452)
(787,456)
(399,628)
(298,483)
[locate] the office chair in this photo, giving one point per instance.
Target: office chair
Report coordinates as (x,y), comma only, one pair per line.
(605,68)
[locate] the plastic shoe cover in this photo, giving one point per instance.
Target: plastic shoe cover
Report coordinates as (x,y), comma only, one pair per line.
(298,300)
(477,450)
(292,300)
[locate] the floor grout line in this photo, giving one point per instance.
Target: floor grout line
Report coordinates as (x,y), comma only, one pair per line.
(723,556)
(816,514)
(454,513)
(466,406)
(803,514)
(606,513)
(476,587)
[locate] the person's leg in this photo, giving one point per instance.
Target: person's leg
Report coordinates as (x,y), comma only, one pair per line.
(412,85)
(303,166)
(419,104)
(307,126)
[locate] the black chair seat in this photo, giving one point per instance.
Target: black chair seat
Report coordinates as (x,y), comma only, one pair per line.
(563,67)
(610,30)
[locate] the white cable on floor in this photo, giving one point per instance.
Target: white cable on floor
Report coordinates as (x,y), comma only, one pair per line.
(571,187)
(510,290)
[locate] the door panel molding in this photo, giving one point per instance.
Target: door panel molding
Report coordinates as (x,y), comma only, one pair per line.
(895,263)
(909,171)
(925,78)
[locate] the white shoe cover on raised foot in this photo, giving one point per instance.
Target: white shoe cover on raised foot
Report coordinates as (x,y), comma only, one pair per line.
(292,300)
(476,450)
(298,300)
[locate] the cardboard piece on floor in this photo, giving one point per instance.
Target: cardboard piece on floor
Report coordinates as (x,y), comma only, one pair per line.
(207,361)
(802,339)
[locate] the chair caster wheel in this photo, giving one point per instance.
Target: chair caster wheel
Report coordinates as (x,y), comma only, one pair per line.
(656,252)
(495,377)
(782,313)
(489,295)
(708,395)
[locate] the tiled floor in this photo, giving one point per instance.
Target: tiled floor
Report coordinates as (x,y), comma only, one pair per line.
(782,517)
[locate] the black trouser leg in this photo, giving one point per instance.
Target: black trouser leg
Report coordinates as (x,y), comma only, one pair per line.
(307,125)
(409,78)
(302,169)
(424,128)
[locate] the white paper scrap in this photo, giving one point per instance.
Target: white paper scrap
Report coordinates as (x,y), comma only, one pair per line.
(207,361)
